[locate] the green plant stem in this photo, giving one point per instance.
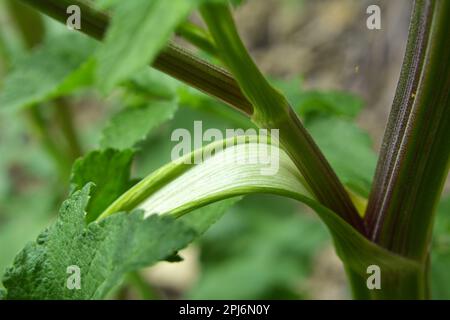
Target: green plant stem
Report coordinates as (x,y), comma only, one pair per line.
(173,60)
(414,164)
(272,111)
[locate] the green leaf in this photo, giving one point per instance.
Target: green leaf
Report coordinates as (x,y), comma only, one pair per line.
(132,43)
(133,124)
(165,192)
(327,116)
(23,217)
(57,68)
(109,170)
(198,73)
(349,150)
(311,103)
(440,254)
(104,251)
(199,101)
(337,103)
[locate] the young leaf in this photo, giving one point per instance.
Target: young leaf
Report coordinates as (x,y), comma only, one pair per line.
(172,60)
(309,103)
(133,43)
(132,124)
(335,103)
(353,161)
(57,68)
(109,170)
(106,250)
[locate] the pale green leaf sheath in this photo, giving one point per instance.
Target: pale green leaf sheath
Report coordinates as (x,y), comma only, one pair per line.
(220,170)
(178,188)
(272,110)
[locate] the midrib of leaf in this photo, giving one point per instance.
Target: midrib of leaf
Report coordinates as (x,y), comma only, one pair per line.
(229,168)
(414,161)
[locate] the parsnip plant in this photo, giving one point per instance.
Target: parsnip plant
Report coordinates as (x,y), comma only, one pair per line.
(112,224)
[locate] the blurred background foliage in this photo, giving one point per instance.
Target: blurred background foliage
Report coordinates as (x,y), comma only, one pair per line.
(339,77)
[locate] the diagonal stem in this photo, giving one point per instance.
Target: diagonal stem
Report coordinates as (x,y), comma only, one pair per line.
(173,60)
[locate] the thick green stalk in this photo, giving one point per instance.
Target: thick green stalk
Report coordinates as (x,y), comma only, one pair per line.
(272,111)
(415,160)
